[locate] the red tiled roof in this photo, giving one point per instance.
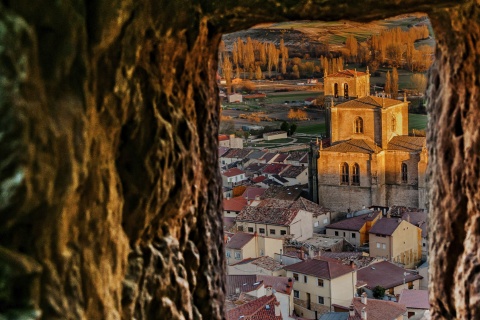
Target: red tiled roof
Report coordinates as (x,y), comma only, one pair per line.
(234,204)
(354,145)
(233,172)
(369,102)
(415,299)
(269,156)
(348,73)
(293,171)
(222,151)
(406,143)
(385,274)
(265,262)
(256,310)
(283,192)
(378,309)
(320,267)
(275,168)
(258,179)
(239,240)
(281,157)
(300,203)
(251,192)
(386,226)
(223,137)
(248,283)
(355,223)
(275,216)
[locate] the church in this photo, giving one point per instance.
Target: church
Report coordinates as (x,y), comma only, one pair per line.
(371,160)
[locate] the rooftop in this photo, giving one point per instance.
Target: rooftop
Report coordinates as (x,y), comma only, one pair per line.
(283,193)
(355,223)
(406,143)
(260,309)
(281,157)
(297,155)
(293,171)
(386,226)
(222,151)
(385,274)
(274,168)
(267,215)
(370,102)
(251,193)
(354,145)
(233,172)
(415,299)
(320,267)
(274,133)
(239,240)
(269,156)
(234,204)
(348,73)
(378,309)
(237,153)
(265,262)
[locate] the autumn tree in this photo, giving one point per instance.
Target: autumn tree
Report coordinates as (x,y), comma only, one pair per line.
(297,114)
(394,85)
(388,83)
(296,71)
(227,72)
(258,73)
(419,82)
(352,47)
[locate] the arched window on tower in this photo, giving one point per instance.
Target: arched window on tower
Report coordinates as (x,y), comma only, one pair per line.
(345,90)
(358,125)
(394,123)
(404,173)
(345,179)
(335,90)
(356,174)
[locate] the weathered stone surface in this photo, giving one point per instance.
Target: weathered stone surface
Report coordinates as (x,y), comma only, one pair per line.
(109,189)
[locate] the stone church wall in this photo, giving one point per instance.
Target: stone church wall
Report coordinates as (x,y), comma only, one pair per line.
(343,124)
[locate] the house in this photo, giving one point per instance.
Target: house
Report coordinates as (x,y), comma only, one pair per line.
(273,169)
(416,301)
(419,219)
(275,221)
(372,309)
(233,206)
(423,271)
(269,157)
(295,158)
(314,246)
(281,158)
(275,135)
(254,169)
(243,246)
(295,175)
(230,141)
(234,155)
(396,240)
(253,193)
(389,276)
(283,193)
(235,97)
(355,230)
(233,176)
(258,286)
(264,308)
(262,265)
(319,284)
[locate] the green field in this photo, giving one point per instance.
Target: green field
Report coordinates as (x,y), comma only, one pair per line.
(315,129)
(291,97)
(417,121)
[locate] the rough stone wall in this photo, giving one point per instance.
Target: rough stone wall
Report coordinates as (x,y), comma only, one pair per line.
(109,192)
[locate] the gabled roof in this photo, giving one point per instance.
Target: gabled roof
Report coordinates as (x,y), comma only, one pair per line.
(293,171)
(296,155)
(265,262)
(406,143)
(354,145)
(386,226)
(385,274)
(355,223)
(282,192)
(269,156)
(237,153)
(275,216)
(369,102)
(274,168)
(255,167)
(222,151)
(234,204)
(348,73)
(320,267)
(378,309)
(233,172)
(248,283)
(279,178)
(251,193)
(223,137)
(419,219)
(257,154)
(281,157)
(239,240)
(415,299)
(256,310)
(258,179)
(301,204)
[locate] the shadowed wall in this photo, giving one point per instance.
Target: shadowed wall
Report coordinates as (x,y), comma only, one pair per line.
(109,187)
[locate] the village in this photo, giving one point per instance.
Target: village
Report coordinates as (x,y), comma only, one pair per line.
(333,226)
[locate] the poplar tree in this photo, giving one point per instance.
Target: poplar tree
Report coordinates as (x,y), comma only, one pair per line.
(388,83)
(394,85)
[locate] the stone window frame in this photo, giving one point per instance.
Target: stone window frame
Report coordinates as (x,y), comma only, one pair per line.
(345,90)
(355,174)
(358,125)
(344,174)
(404,173)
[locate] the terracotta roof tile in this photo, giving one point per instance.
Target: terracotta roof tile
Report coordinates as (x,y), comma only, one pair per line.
(354,145)
(281,157)
(252,192)
(222,151)
(269,156)
(320,267)
(385,274)
(293,171)
(283,193)
(348,73)
(355,223)
(258,179)
(296,155)
(385,226)
(275,216)
(256,310)
(371,102)
(274,168)
(234,204)
(379,309)
(233,172)
(239,240)
(406,143)
(223,137)
(416,299)
(234,153)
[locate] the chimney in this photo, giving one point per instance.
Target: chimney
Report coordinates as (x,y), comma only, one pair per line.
(399,220)
(268,291)
(407,217)
(277,309)
(352,264)
(364,314)
(351,311)
(364,298)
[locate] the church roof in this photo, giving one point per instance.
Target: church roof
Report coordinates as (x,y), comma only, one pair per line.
(354,145)
(346,74)
(369,102)
(406,143)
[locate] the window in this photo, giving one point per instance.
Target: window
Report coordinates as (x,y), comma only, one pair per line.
(404,173)
(283,232)
(320,282)
(394,123)
(358,125)
(305,279)
(345,90)
(344,234)
(353,235)
(316,224)
(384,246)
(272,231)
(240,228)
(228,254)
(296,294)
(321,300)
(378,245)
(250,229)
(356,174)
(295,276)
(237,255)
(335,90)
(325,221)
(336,233)
(261,230)
(344,178)
(261,252)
